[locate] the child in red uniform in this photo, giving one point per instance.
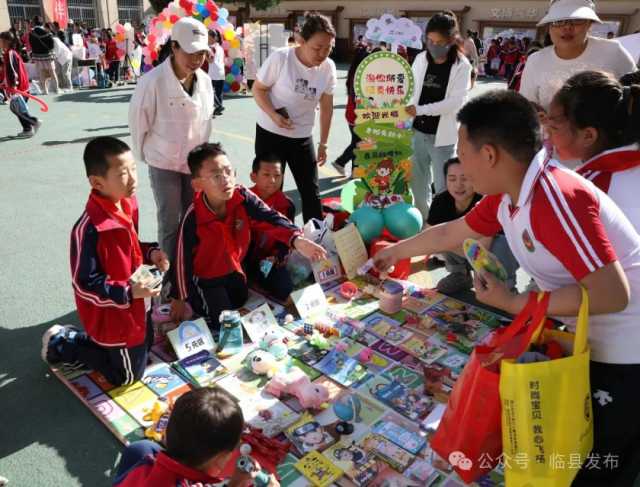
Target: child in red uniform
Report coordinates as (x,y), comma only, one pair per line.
(566,234)
(215,235)
(267,255)
(105,252)
(203,430)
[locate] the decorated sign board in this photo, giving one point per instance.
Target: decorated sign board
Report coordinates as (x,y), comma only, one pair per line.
(384,85)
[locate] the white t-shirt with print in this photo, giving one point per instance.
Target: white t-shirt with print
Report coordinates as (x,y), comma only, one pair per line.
(295,87)
(545,73)
(216,65)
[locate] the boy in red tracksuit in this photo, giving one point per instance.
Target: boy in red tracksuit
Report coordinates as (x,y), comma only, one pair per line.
(267,256)
(105,252)
(215,235)
(203,431)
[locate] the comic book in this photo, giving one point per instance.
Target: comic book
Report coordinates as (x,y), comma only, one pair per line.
(201,369)
(341,368)
(411,403)
(308,435)
(387,451)
(318,469)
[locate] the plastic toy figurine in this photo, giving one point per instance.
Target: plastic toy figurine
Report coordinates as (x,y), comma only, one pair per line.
(230,334)
(274,342)
(347,410)
(263,363)
(297,383)
(246,464)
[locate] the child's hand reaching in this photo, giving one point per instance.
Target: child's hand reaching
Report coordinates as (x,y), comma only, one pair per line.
(142,290)
(241,478)
(309,249)
(160,260)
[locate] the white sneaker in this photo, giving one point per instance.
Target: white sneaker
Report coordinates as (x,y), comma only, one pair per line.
(25,134)
(46,338)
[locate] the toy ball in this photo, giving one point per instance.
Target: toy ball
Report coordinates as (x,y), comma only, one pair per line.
(402,220)
(245,449)
(369,222)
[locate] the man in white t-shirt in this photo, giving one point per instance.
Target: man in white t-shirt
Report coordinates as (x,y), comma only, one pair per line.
(64,59)
(565,233)
(573,51)
(216,70)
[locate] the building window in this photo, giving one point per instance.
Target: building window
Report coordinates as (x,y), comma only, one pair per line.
(130,11)
(23,9)
(83,11)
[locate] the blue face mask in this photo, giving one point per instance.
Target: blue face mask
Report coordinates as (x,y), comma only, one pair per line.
(436,51)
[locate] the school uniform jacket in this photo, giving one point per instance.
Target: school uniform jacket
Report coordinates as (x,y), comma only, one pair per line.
(617,173)
(561,229)
(163,471)
(105,251)
(209,247)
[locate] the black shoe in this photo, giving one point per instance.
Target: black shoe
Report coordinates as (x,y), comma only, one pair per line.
(218,111)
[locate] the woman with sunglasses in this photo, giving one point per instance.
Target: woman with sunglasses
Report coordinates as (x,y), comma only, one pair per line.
(573,51)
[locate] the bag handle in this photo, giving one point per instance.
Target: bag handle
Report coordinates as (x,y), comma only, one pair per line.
(531,315)
(582,326)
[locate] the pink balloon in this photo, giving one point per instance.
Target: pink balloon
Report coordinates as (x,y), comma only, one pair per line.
(239,78)
(228,61)
(225,45)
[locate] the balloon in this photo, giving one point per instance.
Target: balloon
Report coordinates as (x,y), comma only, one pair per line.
(228,61)
(151,38)
(225,45)
(235,86)
(237,62)
(221,21)
(120,53)
(369,222)
(229,78)
(235,69)
(223,13)
(174,18)
(229,34)
(207,22)
(167,24)
(239,78)
(226,88)
(402,220)
(235,43)
(347,194)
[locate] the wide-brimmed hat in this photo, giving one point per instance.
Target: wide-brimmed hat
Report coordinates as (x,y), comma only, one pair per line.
(570,9)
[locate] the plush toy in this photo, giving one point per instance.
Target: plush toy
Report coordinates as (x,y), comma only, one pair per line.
(274,342)
(319,341)
(297,383)
(365,354)
(263,363)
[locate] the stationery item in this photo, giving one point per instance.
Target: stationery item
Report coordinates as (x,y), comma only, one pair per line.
(351,249)
(230,334)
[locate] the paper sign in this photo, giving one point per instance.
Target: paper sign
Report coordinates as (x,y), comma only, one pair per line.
(327,270)
(258,322)
(310,300)
(351,249)
(190,338)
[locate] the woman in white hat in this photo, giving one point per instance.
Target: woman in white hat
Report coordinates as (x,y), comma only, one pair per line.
(170,114)
(573,51)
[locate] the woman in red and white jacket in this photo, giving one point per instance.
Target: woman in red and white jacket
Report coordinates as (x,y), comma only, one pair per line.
(16,78)
(594,119)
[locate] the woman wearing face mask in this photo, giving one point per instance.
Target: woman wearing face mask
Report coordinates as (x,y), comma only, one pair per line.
(290,86)
(442,76)
(573,51)
(170,114)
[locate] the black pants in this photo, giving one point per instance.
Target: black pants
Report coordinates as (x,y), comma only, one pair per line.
(615,460)
(218,93)
(114,71)
(348,154)
(209,297)
(277,283)
(300,155)
(119,365)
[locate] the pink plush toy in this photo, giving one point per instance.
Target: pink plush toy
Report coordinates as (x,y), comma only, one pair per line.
(365,354)
(297,383)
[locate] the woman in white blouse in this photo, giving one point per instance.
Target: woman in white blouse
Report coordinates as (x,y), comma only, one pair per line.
(290,86)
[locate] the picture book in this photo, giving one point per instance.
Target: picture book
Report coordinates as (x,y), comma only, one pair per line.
(287,473)
(351,459)
(423,324)
(424,349)
(423,472)
(258,321)
(412,363)
(268,414)
(318,469)
(134,396)
(312,373)
(416,305)
(341,368)
(201,369)
(243,383)
(191,337)
(387,451)
(407,377)
(365,472)
(389,350)
(454,360)
(162,379)
(308,435)
(412,441)
(411,403)
(380,321)
(85,387)
(306,353)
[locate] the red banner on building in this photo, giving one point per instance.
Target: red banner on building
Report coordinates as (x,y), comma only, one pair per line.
(60,12)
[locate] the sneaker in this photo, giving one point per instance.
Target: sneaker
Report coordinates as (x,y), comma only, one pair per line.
(50,338)
(434,263)
(37,125)
(341,169)
(25,134)
(218,111)
(455,282)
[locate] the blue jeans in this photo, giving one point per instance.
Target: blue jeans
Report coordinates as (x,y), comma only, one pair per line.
(133,455)
(173,194)
(499,247)
(427,158)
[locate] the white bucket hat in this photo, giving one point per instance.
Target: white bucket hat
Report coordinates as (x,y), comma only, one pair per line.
(570,9)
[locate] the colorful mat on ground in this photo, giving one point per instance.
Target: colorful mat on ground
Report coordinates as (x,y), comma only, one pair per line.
(395,409)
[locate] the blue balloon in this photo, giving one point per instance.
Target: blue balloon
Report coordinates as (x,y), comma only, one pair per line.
(369,222)
(235,70)
(402,220)
(226,88)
